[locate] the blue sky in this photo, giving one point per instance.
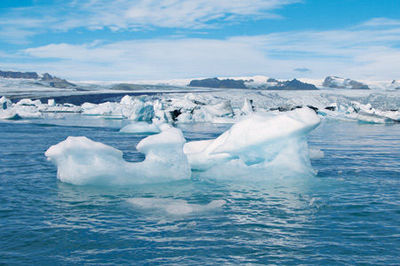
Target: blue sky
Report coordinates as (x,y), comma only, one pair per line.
(165,39)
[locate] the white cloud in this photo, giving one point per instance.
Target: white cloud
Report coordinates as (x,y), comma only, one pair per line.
(133,15)
(125,14)
(358,53)
(377,22)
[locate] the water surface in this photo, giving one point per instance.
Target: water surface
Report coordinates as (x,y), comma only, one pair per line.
(349,213)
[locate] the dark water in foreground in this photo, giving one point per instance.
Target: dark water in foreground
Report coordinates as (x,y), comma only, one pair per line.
(348,214)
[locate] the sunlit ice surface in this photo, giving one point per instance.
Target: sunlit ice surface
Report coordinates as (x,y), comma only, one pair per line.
(347,213)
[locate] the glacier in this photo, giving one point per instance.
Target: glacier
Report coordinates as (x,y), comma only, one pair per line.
(219,106)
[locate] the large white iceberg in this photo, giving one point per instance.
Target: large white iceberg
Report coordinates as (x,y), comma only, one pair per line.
(262,144)
(259,146)
(81,161)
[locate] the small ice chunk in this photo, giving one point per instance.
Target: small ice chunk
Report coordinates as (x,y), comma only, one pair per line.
(29,102)
(51,102)
(5,103)
(248,107)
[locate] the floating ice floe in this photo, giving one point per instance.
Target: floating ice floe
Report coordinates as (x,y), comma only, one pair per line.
(81,161)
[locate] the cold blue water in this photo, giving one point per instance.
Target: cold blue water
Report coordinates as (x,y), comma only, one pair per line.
(348,214)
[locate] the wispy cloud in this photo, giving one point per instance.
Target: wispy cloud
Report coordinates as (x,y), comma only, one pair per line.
(133,15)
(302,69)
(125,14)
(377,22)
(367,53)
(369,50)
(17,25)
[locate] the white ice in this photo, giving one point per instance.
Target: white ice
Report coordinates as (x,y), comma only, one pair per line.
(5,109)
(226,106)
(133,108)
(259,145)
(81,161)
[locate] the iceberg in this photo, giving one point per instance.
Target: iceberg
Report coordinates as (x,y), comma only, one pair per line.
(260,145)
(222,106)
(129,107)
(25,108)
(82,161)
(5,103)
(5,111)
(217,113)
(198,108)
(107,109)
(52,107)
(248,107)
(137,109)
(365,113)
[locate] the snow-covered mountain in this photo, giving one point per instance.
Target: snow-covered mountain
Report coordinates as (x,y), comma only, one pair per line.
(265,82)
(34,78)
(343,83)
(31,84)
